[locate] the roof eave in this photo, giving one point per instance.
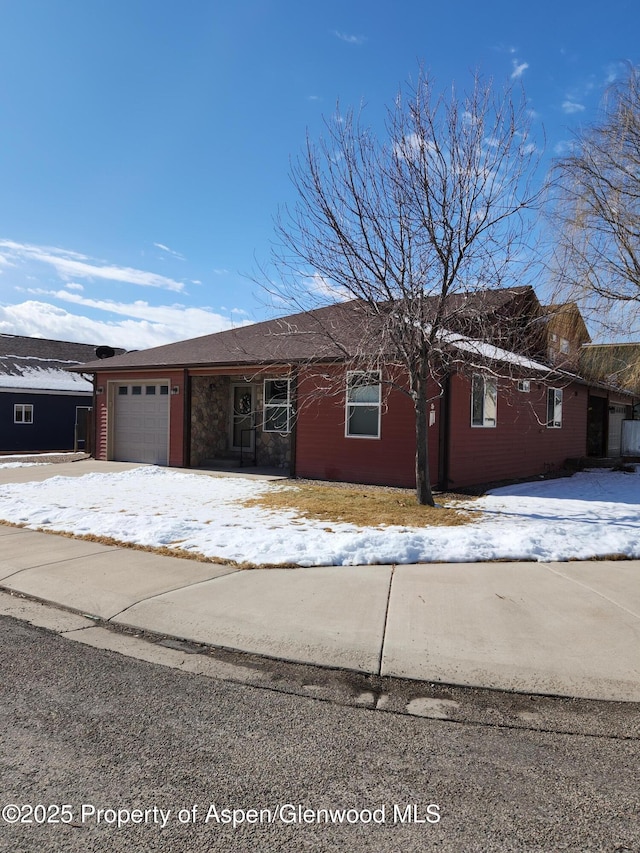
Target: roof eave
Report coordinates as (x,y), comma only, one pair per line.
(204,365)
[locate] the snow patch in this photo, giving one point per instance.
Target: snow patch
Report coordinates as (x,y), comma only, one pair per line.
(594,513)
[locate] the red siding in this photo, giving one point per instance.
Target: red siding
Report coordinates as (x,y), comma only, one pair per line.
(176,411)
(520,445)
(324,452)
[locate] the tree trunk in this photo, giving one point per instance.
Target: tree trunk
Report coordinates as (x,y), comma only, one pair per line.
(423,485)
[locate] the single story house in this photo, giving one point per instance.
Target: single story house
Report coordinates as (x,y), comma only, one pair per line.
(284,393)
(44,407)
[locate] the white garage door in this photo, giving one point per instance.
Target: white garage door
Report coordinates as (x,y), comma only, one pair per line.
(141,423)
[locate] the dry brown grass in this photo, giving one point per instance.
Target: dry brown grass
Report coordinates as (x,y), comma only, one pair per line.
(361,505)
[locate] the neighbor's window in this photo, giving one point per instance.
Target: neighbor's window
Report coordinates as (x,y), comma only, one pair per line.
(554,408)
(363,404)
(484,401)
(277,405)
(23,413)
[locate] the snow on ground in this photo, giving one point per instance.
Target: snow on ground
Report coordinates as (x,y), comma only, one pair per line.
(26,460)
(594,513)
(20,464)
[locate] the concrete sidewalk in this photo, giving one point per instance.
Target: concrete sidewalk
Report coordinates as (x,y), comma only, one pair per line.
(569,629)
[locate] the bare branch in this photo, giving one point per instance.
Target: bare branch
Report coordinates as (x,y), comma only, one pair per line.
(596,213)
(421,228)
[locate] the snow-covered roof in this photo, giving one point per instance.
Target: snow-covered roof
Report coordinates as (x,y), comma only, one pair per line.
(490,352)
(45,378)
(38,364)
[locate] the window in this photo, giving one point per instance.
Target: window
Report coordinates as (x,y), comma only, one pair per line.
(524,385)
(123,390)
(164,389)
(23,413)
(484,401)
(363,405)
(564,346)
(277,405)
(554,408)
(136,389)
(150,390)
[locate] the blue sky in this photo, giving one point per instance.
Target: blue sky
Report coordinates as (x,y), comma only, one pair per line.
(145,144)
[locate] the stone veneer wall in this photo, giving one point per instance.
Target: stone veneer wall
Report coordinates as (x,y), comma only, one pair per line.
(210,420)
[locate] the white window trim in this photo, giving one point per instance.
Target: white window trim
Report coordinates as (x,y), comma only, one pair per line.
(22,408)
(524,386)
(554,422)
(266,407)
(487,423)
(353,405)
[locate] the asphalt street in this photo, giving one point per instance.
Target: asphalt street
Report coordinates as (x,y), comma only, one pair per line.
(104,752)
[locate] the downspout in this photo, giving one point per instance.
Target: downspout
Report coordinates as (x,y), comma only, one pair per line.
(186,414)
(444,437)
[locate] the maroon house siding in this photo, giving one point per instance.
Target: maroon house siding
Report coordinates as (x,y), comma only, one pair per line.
(176,379)
(521,445)
(324,452)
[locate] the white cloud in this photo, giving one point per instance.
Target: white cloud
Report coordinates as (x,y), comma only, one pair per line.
(72,286)
(563,147)
(71,265)
(518,69)
(169,251)
(144,325)
(349,39)
(571,107)
(318,285)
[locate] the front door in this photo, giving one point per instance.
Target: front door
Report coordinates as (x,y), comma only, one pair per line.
(243,405)
(596,426)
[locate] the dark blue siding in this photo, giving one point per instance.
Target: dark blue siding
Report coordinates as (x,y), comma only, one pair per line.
(53,427)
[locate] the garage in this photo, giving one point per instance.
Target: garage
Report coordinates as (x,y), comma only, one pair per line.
(141,423)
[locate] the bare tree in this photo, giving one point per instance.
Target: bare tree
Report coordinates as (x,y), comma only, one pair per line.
(596,214)
(416,226)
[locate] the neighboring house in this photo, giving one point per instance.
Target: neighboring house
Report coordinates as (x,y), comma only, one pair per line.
(283,394)
(611,368)
(43,406)
(565,335)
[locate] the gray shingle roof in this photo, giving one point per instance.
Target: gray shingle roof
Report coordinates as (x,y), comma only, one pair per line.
(322,334)
(42,363)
